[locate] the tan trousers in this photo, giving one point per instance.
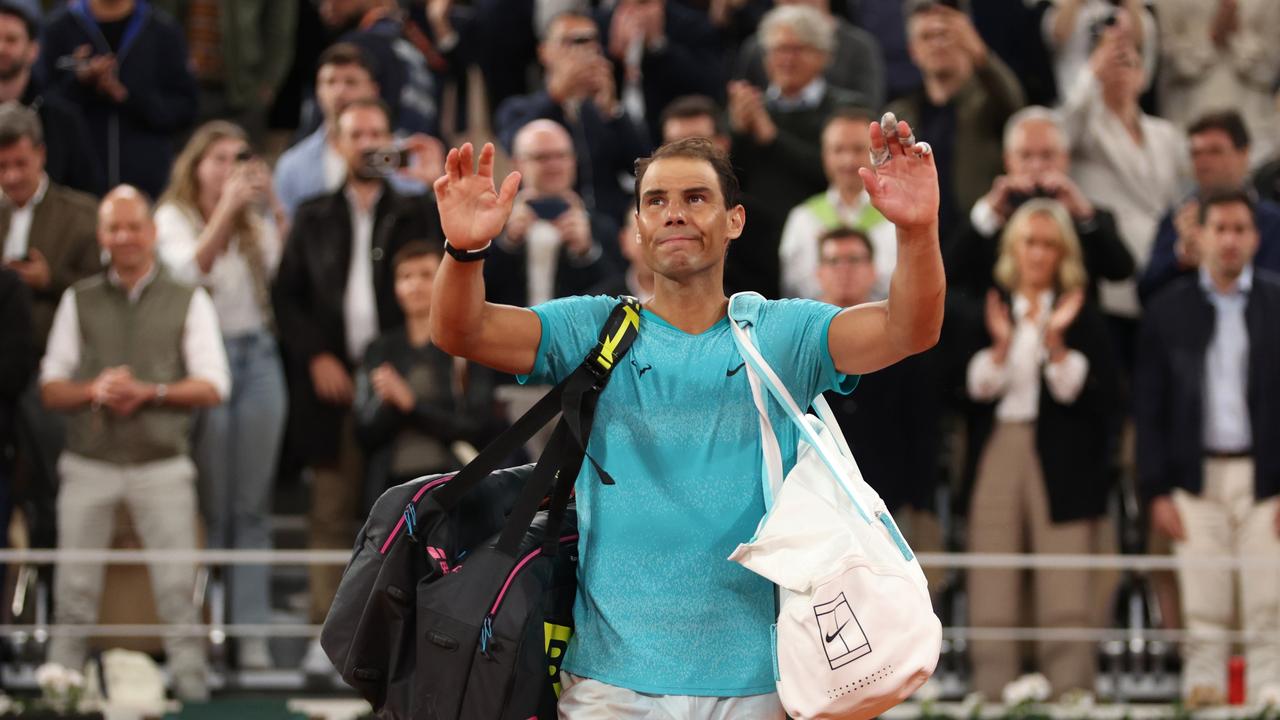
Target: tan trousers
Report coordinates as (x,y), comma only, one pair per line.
(162,501)
(1009,514)
(336,491)
(1226,520)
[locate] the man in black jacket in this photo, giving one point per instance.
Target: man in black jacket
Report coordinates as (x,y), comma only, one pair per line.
(70,160)
(552,246)
(123,64)
(17,366)
(1208,415)
(1037,162)
(334,294)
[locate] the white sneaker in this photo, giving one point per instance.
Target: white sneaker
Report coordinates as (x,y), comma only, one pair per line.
(253,653)
(315,662)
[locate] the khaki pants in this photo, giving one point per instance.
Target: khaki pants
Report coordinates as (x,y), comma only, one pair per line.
(1226,520)
(1010,514)
(162,501)
(336,492)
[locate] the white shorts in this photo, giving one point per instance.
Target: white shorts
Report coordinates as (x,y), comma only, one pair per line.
(587,699)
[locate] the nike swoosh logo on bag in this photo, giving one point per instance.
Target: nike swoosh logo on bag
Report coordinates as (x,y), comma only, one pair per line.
(833,635)
(731,373)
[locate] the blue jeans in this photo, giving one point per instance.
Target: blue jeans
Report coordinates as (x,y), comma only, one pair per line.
(237,445)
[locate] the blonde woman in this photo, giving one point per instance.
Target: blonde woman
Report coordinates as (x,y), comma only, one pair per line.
(1044,389)
(211,231)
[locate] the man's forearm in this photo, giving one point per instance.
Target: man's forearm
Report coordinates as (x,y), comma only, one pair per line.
(66,395)
(917,292)
(187,393)
(457,304)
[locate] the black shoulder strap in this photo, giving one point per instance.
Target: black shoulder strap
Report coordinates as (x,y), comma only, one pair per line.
(575,397)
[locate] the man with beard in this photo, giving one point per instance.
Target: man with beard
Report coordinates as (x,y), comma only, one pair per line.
(69,159)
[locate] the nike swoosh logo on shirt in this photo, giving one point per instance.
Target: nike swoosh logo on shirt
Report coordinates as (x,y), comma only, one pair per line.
(833,635)
(731,373)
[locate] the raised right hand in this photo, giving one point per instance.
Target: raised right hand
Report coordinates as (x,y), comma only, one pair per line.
(472,212)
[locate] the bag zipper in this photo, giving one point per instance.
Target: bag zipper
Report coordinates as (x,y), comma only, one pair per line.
(410,515)
(486,629)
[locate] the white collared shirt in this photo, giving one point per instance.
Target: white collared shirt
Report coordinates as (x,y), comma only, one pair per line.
(18,241)
(1017,381)
(808,98)
(1227,425)
(798,251)
(229,280)
(359,301)
(202,350)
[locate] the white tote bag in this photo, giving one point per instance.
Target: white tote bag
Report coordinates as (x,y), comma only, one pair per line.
(856,633)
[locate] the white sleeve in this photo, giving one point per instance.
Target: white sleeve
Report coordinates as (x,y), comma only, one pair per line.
(176,244)
(798,253)
(986,380)
(1082,103)
(984,219)
(202,349)
(62,354)
(272,244)
(1066,377)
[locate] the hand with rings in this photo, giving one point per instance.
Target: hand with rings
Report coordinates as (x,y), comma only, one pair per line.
(903,178)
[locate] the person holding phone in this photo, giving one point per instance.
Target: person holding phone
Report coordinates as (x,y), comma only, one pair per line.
(551,247)
(212,231)
(581,94)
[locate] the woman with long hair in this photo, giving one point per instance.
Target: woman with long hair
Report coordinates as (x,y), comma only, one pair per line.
(212,231)
(1044,389)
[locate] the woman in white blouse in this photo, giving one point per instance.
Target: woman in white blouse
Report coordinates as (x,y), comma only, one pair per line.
(211,231)
(1044,391)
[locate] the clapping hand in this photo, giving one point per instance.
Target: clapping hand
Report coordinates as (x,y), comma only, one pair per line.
(999,325)
(472,211)
(391,386)
(1064,313)
(903,179)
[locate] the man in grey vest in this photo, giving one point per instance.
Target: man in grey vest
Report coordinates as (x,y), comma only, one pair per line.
(132,353)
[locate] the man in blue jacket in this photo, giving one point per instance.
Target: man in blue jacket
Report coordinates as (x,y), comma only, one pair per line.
(123,63)
(1219,145)
(1207,406)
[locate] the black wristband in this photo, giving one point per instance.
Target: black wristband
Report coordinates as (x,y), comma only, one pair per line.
(467,255)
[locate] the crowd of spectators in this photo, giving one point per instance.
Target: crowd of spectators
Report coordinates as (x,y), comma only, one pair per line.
(219,244)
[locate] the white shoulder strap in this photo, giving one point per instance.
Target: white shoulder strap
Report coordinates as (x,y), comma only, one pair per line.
(760,372)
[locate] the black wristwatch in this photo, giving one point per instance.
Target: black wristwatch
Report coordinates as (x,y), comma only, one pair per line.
(467,255)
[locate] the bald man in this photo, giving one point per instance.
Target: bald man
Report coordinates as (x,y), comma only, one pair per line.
(552,246)
(132,354)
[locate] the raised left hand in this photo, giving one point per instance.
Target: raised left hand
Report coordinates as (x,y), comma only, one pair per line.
(903,178)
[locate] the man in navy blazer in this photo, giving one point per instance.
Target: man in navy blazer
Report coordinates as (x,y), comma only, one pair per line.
(1207,406)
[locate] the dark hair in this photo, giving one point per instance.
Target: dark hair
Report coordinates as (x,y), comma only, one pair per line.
(695,106)
(413,250)
(1227,121)
(694,148)
(345,53)
(844,232)
(12,9)
(1228,196)
(370,102)
(848,113)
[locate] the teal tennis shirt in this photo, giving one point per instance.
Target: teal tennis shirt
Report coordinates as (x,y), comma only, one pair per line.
(660,609)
